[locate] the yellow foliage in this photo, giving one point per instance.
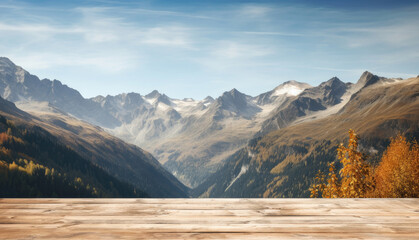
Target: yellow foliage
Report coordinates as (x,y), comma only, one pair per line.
(13,166)
(355,171)
(355,174)
(396,176)
(398,173)
(333,187)
(319,186)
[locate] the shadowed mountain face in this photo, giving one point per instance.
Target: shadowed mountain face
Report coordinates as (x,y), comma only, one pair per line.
(234,103)
(283,163)
(311,100)
(35,164)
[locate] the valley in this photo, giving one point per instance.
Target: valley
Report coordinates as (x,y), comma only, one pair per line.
(235,145)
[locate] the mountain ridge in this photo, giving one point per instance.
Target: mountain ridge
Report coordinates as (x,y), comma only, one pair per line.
(283,163)
(122,161)
(192,138)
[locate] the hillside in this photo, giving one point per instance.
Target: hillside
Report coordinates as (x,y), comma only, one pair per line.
(34,164)
(283,162)
(120,160)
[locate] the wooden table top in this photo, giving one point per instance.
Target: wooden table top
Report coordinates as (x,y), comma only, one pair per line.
(209,218)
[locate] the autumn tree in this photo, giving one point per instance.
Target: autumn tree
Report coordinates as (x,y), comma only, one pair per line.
(354,177)
(355,171)
(398,172)
(332,189)
(318,187)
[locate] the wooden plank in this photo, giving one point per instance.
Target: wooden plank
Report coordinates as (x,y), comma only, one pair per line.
(194,212)
(174,219)
(209,218)
(125,234)
(215,227)
(210,206)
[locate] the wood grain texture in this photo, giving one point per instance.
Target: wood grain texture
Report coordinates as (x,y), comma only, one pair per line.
(209,218)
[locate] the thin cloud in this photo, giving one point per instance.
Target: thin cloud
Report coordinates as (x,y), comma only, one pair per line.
(106,63)
(286,34)
(254,11)
(162,13)
(166,36)
(37,28)
(235,50)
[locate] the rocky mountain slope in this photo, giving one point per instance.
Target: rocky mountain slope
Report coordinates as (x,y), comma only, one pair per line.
(283,162)
(16,84)
(191,138)
(120,160)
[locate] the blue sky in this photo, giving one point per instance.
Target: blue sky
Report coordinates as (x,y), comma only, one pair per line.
(199,48)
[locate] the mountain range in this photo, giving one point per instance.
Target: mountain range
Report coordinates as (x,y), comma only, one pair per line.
(234,145)
(283,163)
(125,162)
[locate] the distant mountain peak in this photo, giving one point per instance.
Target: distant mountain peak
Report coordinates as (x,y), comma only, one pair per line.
(367,79)
(330,82)
(163,98)
(55,82)
(234,91)
(6,60)
(153,94)
(366,73)
(7,66)
(293,82)
(290,88)
(208,99)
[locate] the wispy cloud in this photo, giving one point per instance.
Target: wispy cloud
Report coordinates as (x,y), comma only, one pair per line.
(204,41)
(167,36)
(235,50)
(254,10)
(38,28)
(286,34)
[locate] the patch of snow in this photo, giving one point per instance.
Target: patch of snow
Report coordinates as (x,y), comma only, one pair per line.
(328,111)
(243,170)
(150,100)
(266,110)
(187,107)
(163,107)
(250,153)
(287,89)
(182,104)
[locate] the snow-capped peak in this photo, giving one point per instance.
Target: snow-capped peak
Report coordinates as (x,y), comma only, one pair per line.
(288,89)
